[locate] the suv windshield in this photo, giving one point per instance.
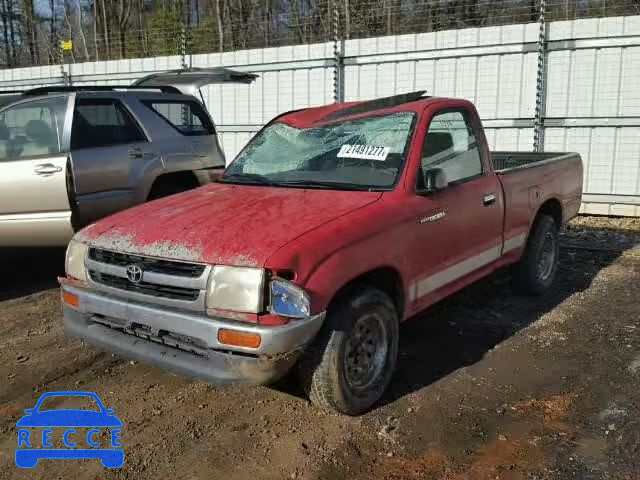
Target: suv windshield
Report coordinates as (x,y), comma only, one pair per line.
(363,154)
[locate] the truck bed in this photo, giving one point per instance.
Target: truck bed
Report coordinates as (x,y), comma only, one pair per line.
(506,162)
(529,179)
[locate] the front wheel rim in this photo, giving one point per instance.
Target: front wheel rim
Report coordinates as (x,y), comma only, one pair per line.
(366,352)
(547,259)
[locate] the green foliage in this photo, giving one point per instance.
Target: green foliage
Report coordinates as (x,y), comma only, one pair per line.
(165,27)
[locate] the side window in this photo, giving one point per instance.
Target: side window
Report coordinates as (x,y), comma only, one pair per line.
(32,129)
(187,117)
(102,122)
(451,145)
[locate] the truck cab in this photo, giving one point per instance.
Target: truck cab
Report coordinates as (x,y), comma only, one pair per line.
(331,227)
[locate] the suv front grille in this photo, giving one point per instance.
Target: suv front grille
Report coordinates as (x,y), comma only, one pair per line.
(148,264)
(165,291)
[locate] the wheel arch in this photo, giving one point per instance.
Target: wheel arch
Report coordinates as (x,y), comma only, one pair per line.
(185,177)
(385,278)
(553,208)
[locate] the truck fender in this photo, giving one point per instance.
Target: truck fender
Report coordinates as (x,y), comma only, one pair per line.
(342,269)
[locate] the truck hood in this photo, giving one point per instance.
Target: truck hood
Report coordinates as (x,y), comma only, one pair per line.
(223,224)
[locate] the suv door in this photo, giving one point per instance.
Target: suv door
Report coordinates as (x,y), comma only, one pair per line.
(460,225)
(108,151)
(34,201)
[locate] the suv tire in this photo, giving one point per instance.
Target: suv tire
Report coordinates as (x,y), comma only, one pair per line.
(349,365)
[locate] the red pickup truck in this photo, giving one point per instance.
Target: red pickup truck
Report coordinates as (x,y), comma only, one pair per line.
(332,226)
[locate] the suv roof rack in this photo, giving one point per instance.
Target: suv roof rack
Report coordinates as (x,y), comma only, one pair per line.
(95,88)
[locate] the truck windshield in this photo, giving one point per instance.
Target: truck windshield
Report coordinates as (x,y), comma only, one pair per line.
(363,154)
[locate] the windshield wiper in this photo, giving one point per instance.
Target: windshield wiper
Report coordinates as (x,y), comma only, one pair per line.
(252,178)
(331,185)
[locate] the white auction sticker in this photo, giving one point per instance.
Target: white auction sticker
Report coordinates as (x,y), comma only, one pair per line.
(364,152)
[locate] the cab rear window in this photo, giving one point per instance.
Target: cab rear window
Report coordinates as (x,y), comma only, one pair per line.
(187,117)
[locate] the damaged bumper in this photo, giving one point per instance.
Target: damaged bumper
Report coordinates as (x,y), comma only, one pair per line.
(185,342)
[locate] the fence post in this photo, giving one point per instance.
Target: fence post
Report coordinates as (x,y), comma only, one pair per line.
(183,45)
(66,76)
(541,83)
(338,54)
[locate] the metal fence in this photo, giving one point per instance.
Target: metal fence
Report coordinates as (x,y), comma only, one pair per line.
(99,30)
(556,75)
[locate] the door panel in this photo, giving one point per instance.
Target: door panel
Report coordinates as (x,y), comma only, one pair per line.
(458,229)
(110,153)
(34,203)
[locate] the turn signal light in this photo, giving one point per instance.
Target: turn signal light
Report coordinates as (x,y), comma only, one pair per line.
(238,339)
(70,299)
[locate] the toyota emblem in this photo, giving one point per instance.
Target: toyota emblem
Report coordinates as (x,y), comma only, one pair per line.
(134,273)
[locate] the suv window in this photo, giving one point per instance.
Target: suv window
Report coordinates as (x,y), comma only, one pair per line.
(451,145)
(32,129)
(102,122)
(187,117)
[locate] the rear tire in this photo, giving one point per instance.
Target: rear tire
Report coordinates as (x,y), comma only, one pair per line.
(349,365)
(536,270)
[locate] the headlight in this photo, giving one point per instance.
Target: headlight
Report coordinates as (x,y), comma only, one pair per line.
(236,288)
(74,264)
(289,300)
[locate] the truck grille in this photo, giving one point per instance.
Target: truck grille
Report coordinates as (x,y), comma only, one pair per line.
(172,283)
(167,267)
(165,291)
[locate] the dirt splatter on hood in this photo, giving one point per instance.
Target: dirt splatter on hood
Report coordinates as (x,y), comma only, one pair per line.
(222,224)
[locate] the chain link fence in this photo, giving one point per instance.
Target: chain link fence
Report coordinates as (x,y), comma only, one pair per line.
(100,30)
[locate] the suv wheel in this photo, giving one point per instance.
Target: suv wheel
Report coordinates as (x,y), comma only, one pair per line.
(350,364)
(537,268)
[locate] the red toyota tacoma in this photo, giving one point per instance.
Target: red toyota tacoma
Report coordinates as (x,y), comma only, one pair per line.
(332,226)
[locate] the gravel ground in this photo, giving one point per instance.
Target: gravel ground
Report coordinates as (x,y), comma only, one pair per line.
(489,385)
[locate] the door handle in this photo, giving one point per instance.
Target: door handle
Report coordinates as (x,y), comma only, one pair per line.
(47,169)
(136,153)
(489,199)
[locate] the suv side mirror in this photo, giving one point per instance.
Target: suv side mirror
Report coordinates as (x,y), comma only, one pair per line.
(435,179)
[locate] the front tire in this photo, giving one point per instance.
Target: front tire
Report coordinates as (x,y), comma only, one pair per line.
(536,270)
(349,366)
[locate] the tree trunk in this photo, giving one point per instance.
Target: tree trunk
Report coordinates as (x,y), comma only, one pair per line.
(219,23)
(83,37)
(28,25)
(53,34)
(5,32)
(105,25)
(347,20)
(95,30)
(67,17)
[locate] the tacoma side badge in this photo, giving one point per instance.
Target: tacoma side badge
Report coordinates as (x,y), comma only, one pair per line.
(434,217)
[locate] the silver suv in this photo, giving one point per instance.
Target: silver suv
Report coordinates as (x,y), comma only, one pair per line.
(71,155)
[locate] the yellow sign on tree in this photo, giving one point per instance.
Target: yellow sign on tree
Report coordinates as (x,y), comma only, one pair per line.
(66,45)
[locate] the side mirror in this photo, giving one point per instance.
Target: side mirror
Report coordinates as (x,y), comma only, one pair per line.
(435,179)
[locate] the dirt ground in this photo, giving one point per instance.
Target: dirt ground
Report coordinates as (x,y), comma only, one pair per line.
(489,385)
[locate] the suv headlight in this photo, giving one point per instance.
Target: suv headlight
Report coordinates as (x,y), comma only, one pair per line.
(237,289)
(74,261)
(288,300)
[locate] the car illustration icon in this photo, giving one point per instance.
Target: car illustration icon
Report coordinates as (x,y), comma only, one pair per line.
(34,445)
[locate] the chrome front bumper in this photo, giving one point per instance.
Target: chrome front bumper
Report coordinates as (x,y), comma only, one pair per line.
(115,324)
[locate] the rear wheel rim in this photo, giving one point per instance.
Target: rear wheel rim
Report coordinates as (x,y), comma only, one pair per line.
(547,259)
(366,352)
